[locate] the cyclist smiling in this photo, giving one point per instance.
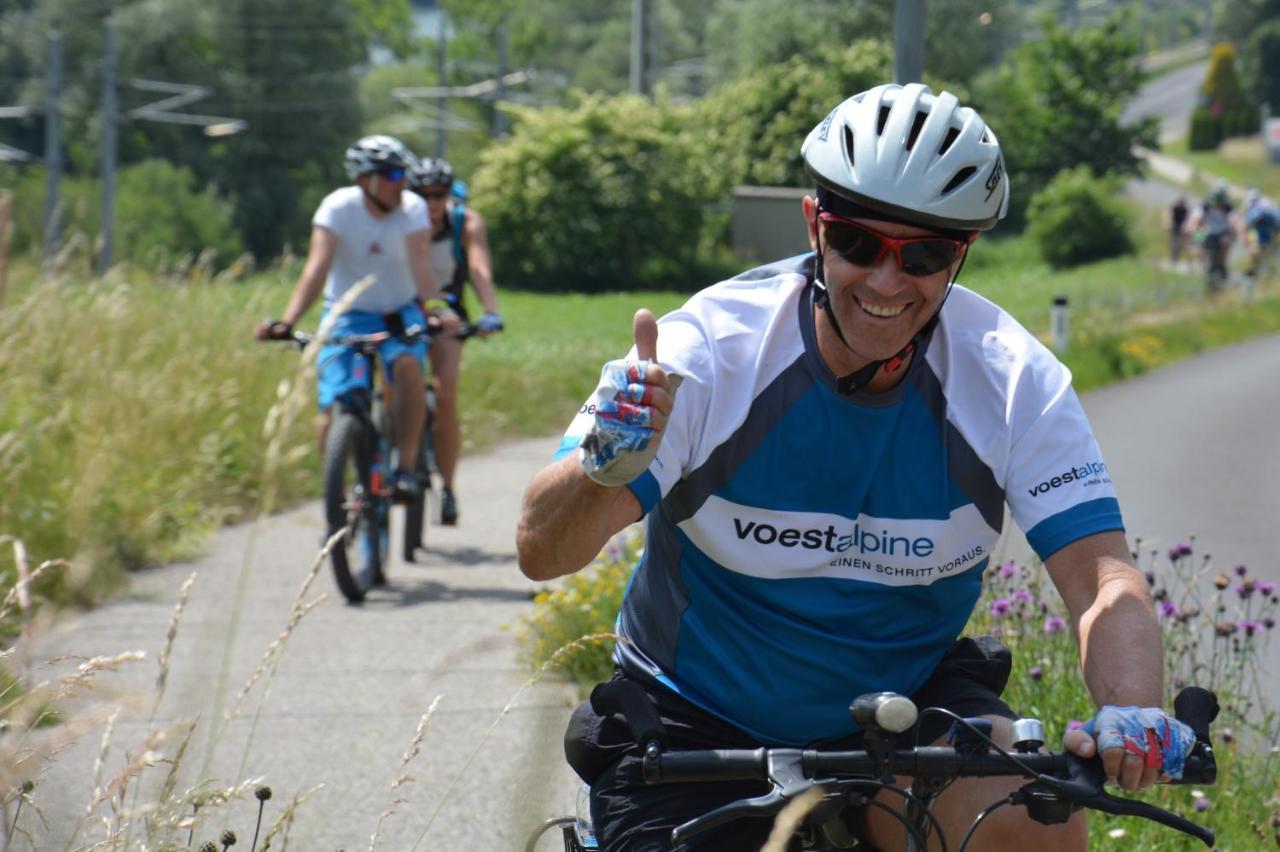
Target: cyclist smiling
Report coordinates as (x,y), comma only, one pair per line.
(856,388)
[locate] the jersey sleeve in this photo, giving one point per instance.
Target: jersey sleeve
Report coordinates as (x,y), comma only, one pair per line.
(327,213)
(683,351)
(416,216)
(1056,482)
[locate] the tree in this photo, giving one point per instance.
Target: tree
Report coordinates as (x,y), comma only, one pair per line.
(754,126)
(1056,104)
(1261,60)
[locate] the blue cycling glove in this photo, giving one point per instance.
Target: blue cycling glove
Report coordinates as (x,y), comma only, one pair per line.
(490,323)
(1163,743)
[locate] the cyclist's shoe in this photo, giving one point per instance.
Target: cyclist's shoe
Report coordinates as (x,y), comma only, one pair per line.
(448,509)
(405,487)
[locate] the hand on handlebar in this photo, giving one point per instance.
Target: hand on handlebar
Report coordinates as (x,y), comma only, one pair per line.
(273,330)
(1139,745)
(490,323)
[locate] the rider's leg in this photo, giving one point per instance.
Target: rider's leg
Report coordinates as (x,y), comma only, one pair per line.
(446,361)
(1007,829)
(408,406)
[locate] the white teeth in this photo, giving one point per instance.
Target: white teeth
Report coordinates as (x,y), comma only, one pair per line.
(881,310)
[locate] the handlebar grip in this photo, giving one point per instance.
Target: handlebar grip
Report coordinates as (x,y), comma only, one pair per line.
(1196,707)
(626,699)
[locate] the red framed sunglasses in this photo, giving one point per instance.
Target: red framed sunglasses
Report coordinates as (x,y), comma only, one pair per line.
(865,246)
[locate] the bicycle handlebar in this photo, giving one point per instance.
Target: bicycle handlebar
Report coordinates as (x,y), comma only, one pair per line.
(1058,779)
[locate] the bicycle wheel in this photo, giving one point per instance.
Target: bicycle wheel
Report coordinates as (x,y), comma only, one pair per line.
(348,502)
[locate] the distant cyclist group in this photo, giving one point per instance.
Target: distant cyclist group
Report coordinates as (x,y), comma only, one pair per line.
(403,224)
(1214,226)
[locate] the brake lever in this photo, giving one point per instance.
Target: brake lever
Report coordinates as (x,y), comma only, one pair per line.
(786,773)
(1083,786)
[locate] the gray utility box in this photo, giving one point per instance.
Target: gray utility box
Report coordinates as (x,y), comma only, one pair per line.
(768,222)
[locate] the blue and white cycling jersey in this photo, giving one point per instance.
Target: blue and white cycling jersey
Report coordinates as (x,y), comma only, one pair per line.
(804,547)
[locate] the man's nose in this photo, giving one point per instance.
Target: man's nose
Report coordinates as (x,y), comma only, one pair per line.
(886,275)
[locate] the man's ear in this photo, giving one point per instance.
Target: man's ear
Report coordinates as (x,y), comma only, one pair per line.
(810,207)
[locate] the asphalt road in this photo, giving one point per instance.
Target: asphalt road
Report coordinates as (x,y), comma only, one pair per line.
(1169,98)
(1194,449)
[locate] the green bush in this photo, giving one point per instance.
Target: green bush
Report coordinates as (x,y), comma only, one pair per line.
(1206,131)
(607,195)
(161,215)
(1077,219)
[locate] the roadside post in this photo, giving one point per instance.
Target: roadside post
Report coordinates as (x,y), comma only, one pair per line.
(1060,323)
(1271,133)
(6,219)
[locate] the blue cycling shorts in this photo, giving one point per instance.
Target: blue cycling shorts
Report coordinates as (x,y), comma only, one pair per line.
(340,370)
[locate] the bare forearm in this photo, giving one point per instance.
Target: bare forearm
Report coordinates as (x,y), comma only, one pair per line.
(1121,652)
(566,519)
(308,288)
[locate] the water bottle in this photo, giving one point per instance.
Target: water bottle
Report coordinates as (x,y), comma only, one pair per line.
(582,824)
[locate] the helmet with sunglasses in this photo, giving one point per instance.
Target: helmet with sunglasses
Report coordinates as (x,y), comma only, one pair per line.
(912,156)
(431,172)
(377,153)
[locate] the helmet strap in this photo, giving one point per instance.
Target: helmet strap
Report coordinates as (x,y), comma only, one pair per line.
(385,208)
(850,384)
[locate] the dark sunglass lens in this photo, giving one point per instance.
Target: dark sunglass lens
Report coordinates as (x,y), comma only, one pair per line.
(928,256)
(856,245)
(393,174)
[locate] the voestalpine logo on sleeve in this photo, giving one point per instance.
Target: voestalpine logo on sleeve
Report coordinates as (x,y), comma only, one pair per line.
(1087,474)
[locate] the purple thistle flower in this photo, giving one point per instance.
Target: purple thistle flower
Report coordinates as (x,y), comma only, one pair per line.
(1022,596)
(1245,589)
(1202,804)
(1074,724)
(1241,570)
(1151,577)
(1179,550)
(1266,589)
(1055,624)
(1168,609)
(1035,673)
(1250,627)
(1000,607)
(1007,570)
(1268,622)
(1227,735)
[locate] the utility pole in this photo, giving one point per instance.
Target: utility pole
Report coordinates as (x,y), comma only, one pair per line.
(442,103)
(52,151)
(638,82)
(109,132)
(500,117)
(908,41)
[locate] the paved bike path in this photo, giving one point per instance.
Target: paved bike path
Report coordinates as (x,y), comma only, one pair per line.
(352,684)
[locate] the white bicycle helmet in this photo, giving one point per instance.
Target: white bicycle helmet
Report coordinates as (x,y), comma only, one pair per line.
(912,155)
(374,153)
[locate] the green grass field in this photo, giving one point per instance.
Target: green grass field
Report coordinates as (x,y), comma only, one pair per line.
(1243,162)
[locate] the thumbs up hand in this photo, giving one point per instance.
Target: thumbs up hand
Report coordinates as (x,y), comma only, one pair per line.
(632,405)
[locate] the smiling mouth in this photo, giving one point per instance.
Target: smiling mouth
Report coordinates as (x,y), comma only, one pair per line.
(882,311)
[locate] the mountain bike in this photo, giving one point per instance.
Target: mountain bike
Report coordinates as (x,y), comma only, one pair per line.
(424,467)
(1059,783)
(357,460)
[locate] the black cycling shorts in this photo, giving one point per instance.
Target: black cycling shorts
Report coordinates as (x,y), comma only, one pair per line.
(631,816)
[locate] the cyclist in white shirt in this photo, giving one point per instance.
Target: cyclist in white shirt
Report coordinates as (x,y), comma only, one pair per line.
(824,493)
(373,227)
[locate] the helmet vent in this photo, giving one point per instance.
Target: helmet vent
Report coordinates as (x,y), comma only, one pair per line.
(848,144)
(952,135)
(881,120)
(959,178)
(915,129)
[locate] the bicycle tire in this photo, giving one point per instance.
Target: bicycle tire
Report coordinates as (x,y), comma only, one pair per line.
(347,450)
